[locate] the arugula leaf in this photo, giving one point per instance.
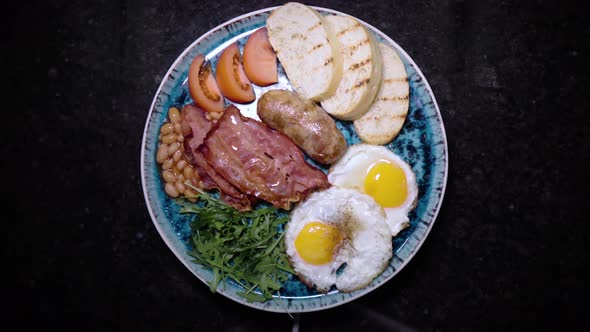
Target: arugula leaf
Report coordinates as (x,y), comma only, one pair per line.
(247,247)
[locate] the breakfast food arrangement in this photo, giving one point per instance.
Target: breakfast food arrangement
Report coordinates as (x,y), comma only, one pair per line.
(341,233)
(280,154)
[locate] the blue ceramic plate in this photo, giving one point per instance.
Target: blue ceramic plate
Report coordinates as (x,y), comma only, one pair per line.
(422,143)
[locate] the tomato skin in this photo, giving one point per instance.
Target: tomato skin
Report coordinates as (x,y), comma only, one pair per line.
(203,87)
(260,60)
(231,79)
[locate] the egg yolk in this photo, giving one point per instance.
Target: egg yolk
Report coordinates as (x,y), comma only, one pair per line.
(386,183)
(317,241)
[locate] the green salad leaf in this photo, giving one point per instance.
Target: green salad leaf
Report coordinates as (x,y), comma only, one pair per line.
(247,247)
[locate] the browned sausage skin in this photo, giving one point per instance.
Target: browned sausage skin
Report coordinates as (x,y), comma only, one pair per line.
(305,122)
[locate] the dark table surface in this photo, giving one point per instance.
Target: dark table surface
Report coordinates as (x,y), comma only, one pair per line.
(509,250)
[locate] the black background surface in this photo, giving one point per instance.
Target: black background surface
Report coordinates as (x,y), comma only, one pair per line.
(509,250)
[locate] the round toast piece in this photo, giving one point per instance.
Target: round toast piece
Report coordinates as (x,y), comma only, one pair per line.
(386,116)
(362,68)
(307,49)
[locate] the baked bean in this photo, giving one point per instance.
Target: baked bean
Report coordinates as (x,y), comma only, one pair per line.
(162,153)
(187,172)
(178,128)
(167,128)
(180,138)
(215,115)
(169,139)
(174,115)
(171,190)
(168,164)
(180,187)
(173,148)
(177,155)
(180,164)
(168,176)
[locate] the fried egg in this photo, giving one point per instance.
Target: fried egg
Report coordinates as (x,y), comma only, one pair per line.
(338,237)
(381,174)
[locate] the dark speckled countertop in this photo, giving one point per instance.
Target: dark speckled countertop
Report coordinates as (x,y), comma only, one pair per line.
(509,250)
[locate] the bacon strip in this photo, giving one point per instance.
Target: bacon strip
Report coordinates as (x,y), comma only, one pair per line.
(195,128)
(260,161)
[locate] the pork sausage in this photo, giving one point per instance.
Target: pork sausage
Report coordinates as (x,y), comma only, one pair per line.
(304,122)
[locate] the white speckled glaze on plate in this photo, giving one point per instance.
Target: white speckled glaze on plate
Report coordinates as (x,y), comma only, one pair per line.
(421,142)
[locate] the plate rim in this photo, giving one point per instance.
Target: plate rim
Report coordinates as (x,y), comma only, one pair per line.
(282,309)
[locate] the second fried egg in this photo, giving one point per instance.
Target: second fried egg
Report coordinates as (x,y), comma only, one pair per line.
(381,174)
(338,237)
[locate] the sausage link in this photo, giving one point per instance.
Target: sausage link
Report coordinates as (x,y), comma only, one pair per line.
(304,122)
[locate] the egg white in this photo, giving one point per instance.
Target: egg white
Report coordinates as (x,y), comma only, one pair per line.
(366,249)
(351,170)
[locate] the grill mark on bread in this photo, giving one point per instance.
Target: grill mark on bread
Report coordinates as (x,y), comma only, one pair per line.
(326,63)
(316,47)
(350,28)
(359,85)
(354,47)
(362,83)
(315,26)
(379,117)
(393,80)
(398,116)
(298,36)
(359,64)
(395,98)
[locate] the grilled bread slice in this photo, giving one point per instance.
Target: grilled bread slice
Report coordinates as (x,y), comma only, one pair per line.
(361,74)
(307,49)
(387,114)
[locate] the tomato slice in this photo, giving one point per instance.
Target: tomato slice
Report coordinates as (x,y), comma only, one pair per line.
(203,87)
(260,60)
(231,79)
